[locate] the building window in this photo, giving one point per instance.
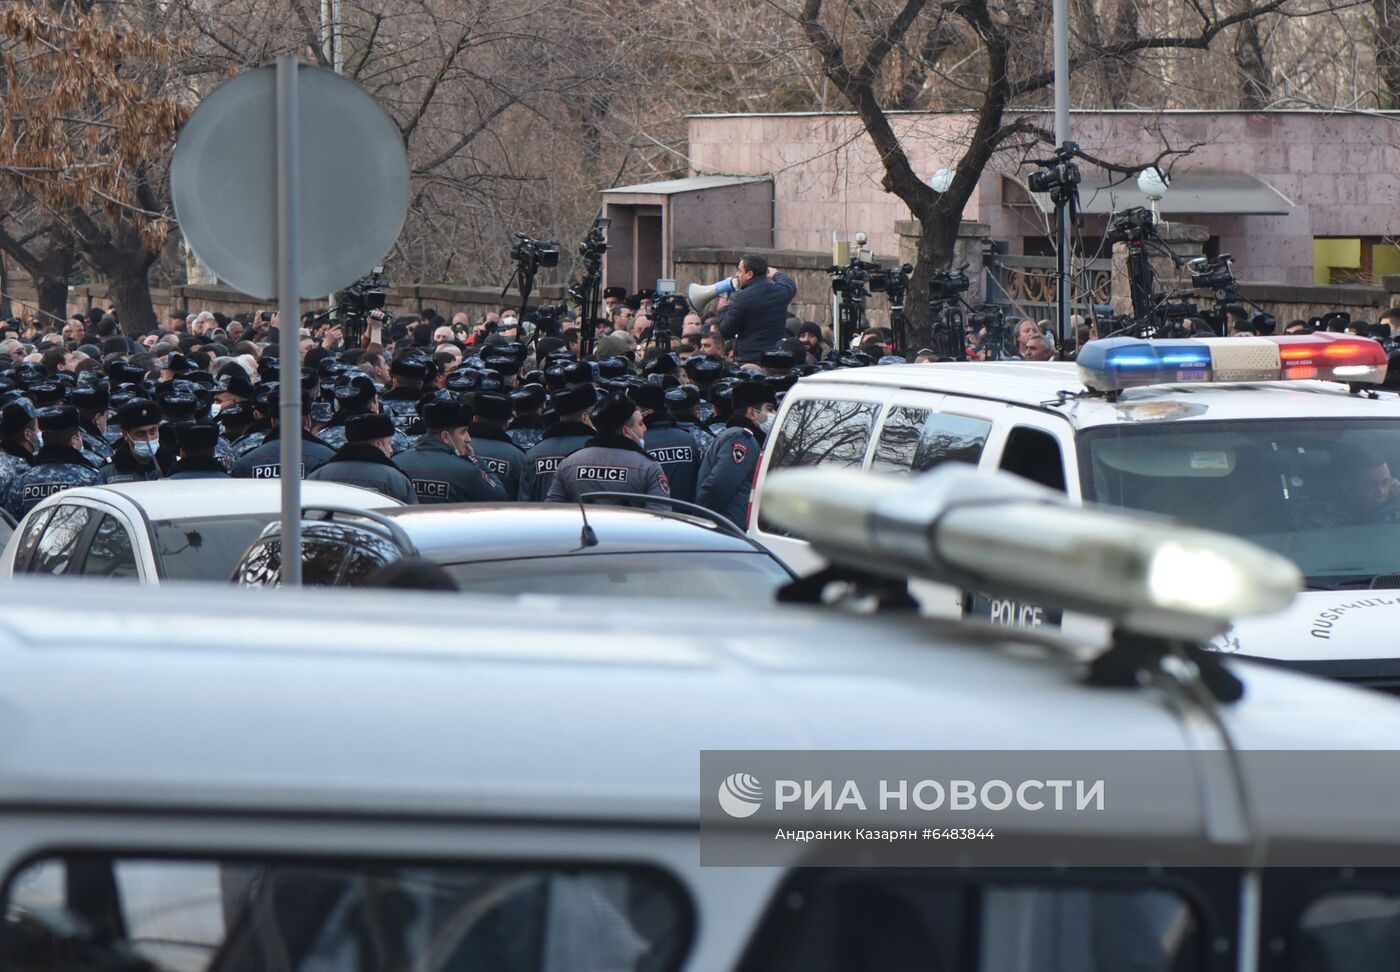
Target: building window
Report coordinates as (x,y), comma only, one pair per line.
(1354,259)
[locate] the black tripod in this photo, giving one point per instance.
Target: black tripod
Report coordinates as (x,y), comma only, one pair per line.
(1060,178)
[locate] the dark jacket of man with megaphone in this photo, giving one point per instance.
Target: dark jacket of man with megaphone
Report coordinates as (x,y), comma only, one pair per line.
(757,312)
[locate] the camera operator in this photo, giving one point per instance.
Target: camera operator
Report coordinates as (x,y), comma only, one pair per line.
(757,314)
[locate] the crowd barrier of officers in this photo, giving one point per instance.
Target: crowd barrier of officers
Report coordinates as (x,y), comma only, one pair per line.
(443,414)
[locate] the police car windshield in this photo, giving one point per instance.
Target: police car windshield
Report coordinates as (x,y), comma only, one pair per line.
(1320,491)
(694,575)
(205,548)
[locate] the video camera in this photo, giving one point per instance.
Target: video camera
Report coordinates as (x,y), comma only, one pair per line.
(355,303)
(1059,173)
(1130,226)
(595,244)
(946,285)
(532,254)
(1208,274)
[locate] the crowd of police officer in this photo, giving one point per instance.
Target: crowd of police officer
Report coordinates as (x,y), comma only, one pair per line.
(512,421)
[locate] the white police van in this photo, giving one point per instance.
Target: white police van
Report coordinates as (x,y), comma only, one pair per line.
(303,780)
(1233,434)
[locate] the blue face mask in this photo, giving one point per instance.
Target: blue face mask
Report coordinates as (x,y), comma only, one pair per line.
(145,449)
(767,425)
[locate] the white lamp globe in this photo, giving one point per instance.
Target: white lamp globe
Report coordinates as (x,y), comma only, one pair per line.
(942,180)
(1152,182)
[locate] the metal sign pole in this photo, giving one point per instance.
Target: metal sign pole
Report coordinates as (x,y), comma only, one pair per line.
(289,313)
(1066,248)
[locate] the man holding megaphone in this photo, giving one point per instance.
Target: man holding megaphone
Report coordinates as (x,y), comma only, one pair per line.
(757,310)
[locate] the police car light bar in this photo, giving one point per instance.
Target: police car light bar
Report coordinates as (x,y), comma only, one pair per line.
(1116,363)
(1009,537)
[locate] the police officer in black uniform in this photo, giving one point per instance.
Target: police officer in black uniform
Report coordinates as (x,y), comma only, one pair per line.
(614,460)
(91,402)
(139,456)
(527,427)
(681,403)
(572,428)
(672,447)
(58,465)
(197,442)
(19,440)
(265,461)
(408,372)
(365,461)
(492,445)
(441,465)
(727,469)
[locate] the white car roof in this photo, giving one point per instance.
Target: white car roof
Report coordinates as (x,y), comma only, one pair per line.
(178,499)
(394,702)
(1038,384)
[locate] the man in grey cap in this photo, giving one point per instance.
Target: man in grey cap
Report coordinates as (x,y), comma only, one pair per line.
(614,460)
(364,459)
(441,465)
(58,465)
(570,432)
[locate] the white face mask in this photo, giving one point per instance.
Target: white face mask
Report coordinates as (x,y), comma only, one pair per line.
(508,322)
(38,440)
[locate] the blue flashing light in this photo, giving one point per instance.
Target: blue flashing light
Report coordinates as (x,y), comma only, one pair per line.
(1116,363)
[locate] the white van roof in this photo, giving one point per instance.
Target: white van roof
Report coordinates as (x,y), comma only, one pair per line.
(1039,384)
(391,702)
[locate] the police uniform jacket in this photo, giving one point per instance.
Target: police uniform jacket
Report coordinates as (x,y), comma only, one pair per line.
(526,432)
(246,443)
(561,440)
(676,452)
(361,464)
(727,470)
(95,447)
(14,461)
(124,467)
(401,405)
(223,451)
(333,435)
(498,455)
(55,468)
(439,475)
(609,464)
(198,467)
(702,436)
(265,462)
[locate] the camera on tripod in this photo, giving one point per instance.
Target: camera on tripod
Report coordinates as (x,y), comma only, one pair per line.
(1130,226)
(947,285)
(853,280)
(1059,173)
(1208,274)
(533,254)
(355,302)
(595,244)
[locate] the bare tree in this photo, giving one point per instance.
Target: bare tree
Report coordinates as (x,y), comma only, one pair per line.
(854,44)
(88,124)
